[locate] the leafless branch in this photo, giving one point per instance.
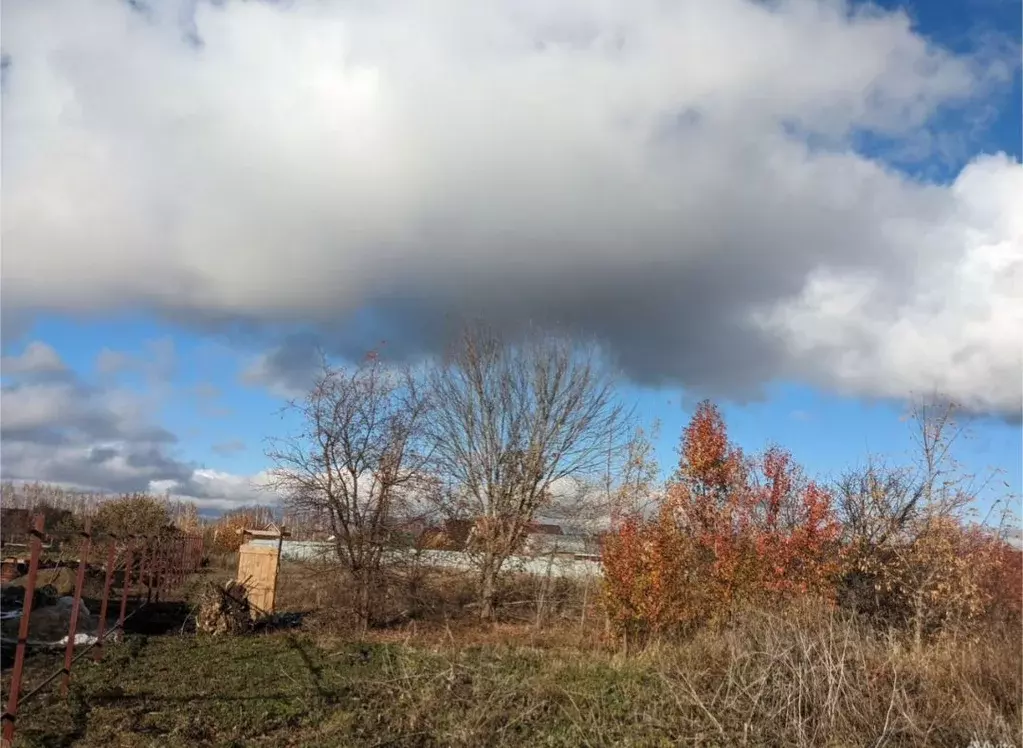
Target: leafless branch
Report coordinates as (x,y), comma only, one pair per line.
(513,425)
(357,459)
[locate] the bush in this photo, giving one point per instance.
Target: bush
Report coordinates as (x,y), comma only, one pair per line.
(815,675)
(731,531)
(940,578)
(1003,585)
(132,514)
(224,536)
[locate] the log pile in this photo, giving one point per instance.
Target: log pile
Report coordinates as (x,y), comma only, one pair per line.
(224,609)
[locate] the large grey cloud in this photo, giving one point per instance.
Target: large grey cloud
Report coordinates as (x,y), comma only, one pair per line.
(677,180)
(289,369)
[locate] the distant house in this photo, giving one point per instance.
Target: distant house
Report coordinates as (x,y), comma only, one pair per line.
(403,532)
(538,528)
(541,539)
(453,535)
(545,539)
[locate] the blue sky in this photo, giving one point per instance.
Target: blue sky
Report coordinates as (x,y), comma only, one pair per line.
(201,395)
(831,233)
(222,420)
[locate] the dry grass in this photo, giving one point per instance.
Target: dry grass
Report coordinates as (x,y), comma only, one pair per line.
(812,677)
(431,597)
(807,678)
(804,676)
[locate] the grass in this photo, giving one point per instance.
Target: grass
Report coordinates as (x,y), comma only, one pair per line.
(804,679)
(284,689)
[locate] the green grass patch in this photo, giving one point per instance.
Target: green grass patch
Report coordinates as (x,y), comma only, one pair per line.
(769,682)
(283,689)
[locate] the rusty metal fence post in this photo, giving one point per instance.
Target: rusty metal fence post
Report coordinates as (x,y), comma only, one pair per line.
(127,586)
(179,558)
(146,577)
(11,713)
(164,564)
(76,604)
(182,557)
(158,566)
(174,563)
(102,627)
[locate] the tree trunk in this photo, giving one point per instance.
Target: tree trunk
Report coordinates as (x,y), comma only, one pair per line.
(361,577)
(488,589)
(544,586)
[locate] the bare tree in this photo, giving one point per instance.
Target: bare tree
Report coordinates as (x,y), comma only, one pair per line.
(512,424)
(881,502)
(356,460)
(631,486)
(898,519)
(628,484)
(37,495)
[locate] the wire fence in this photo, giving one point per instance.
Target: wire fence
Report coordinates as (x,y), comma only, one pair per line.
(149,566)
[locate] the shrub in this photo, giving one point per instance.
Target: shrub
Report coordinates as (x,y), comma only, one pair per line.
(225,535)
(732,530)
(1003,585)
(132,514)
(226,538)
(655,580)
(940,577)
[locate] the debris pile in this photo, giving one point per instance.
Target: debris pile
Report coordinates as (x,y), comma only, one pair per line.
(224,609)
(49,623)
(278,621)
(52,583)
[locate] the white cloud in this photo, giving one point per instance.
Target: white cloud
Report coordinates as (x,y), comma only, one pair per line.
(70,432)
(38,360)
(213,489)
(636,171)
(957,329)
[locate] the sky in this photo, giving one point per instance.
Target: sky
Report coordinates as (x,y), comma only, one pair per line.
(807,211)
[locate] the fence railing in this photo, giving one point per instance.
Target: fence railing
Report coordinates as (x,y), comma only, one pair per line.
(151,566)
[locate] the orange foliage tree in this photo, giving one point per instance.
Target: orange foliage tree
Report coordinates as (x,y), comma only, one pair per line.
(1003,585)
(226,536)
(731,530)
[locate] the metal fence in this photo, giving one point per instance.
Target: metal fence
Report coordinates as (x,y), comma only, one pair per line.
(150,566)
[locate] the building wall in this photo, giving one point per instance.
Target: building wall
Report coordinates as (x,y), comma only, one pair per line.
(299,550)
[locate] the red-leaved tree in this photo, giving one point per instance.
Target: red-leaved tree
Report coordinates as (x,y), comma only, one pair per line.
(731,530)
